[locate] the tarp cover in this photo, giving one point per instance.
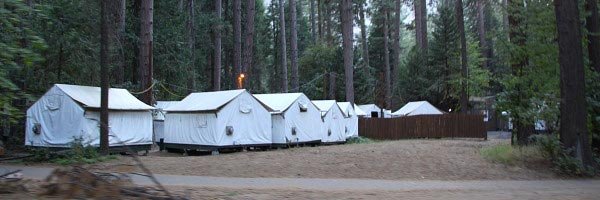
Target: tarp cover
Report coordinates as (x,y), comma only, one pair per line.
(333,121)
(418,108)
(204,101)
(160,106)
(89,97)
(359,111)
(288,115)
(350,118)
(238,109)
(370,108)
(56,119)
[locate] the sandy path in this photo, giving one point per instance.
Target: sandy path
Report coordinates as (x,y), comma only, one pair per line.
(391,160)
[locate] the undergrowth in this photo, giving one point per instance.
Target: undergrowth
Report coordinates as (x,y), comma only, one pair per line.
(542,148)
(79,153)
(360,140)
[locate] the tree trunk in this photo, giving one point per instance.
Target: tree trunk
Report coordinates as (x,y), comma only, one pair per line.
(328,24)
(146,64)
(284,73)
(249,43)
(237,39)
(363,35)
(119,9)
(518,63)
(421,24)
(481,33)
(464,97)
(320,18)
(347,36)
(573,113)
(386,58)
(396,51)
(593,28)
(294,46)
(217,47)
(313,25)
(105,85)
(191,35)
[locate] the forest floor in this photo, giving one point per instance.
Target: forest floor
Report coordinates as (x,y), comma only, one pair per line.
(433,159)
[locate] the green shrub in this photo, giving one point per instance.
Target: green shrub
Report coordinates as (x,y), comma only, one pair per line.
(79,153)
(511,155)
(561,159)
(359,140)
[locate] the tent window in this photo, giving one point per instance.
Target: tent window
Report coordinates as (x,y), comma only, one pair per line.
(374,114)
(245,108)
(293,130)
(329,132)
(37,128)
(53,102)
(303,106)
(229,130)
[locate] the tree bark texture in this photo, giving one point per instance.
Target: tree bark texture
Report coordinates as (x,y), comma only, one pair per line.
(573,114)
(249,42)
(118,9)
(421,24)
(386,58)
(485,52)
(313,25)
(105,85)
(593,27)
(217,47)
(146,41)
(294,46)
(284,71)
(191,36)
(347,44)
(363,35)
(396,51)
(464,72)
(237,39)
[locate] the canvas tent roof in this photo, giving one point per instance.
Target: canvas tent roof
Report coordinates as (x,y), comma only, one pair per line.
(279,102)
(369,107)
(324,105)
(359,111)
(418,108)
(89,97)
(164,104)
(206,101)
(345,106)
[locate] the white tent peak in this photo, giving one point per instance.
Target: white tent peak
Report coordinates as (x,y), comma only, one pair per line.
(279,102)
(324,105)
(418,108)
(359,111)
(345,106)
(89,97)
(205,101)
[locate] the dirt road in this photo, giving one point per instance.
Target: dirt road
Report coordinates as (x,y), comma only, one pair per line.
(277,188)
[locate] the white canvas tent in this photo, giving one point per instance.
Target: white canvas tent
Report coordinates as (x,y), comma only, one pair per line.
(350,118)
(212,120)
(333,123)
(359,112)
(68,112)
(159,118)
(371,110)
(417,108)
(295,119)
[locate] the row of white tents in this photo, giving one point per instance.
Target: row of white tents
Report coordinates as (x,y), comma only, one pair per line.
(207,120)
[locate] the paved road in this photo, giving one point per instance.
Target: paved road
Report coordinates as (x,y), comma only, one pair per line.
(341,184)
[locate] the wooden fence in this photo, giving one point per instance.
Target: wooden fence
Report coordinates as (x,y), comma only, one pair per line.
(424,126)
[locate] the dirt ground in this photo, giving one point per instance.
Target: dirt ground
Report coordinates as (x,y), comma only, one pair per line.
(391,160)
